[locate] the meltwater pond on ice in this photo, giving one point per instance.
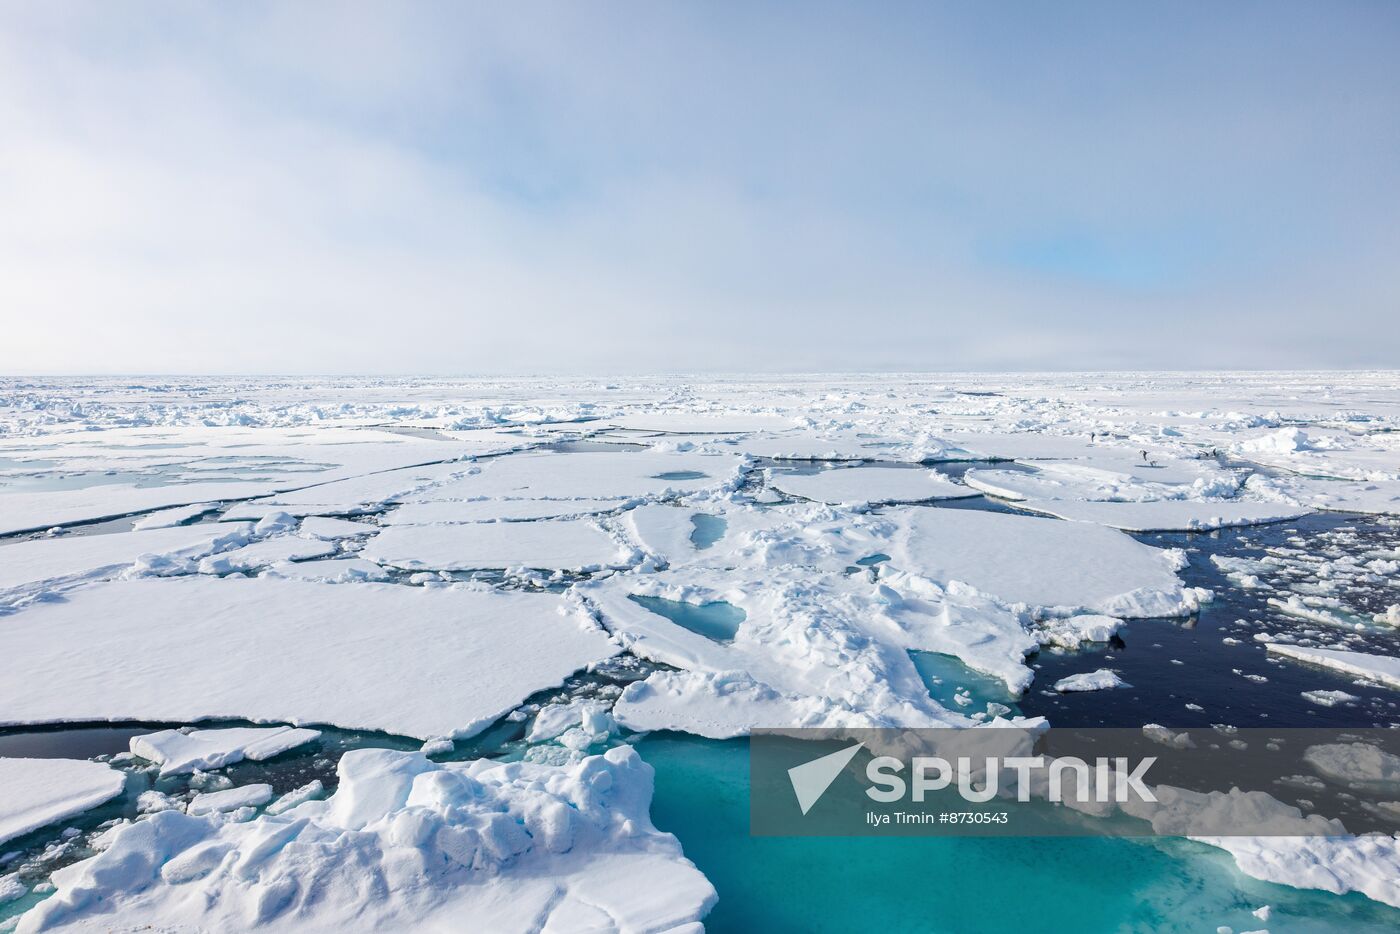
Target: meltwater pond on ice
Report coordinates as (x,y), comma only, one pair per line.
(954,884)
(708,530)
(954,685)
(715,620)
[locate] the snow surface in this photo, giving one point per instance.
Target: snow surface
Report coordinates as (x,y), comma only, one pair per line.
(1041,563)
(871,485)
(360,656)
(38,792)
(491,510)
(569,544)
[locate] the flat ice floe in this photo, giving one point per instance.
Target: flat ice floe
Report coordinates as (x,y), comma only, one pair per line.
(590,475)
(177,751)
(49,561)
(416,661)
(566,545)
(1167,515)
(871,485)
(1379,668)
(479,845)
(493,510)
(38,792)
(1100,680)
(1041,563)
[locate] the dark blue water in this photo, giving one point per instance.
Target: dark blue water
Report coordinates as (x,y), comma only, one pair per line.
(1171,663)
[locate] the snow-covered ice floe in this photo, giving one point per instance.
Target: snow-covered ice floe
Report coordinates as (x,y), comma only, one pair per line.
(43,564)
(1378,668)
(871,485)
(479,845)
(1042,563)
(354,655)
(566,544)
(1167,515)
(38,792)
(179,751)
(1100,680)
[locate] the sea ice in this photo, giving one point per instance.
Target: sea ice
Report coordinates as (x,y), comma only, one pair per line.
(176,751)
(1167,515)
(567,544)
(590,475)
(483,845)
(166,518)
(230,799)
(493,510)
(38,792)
(859,486)
(334,529)
(360,656)
(1099,680)
(266,552)
(44,563)
(1041,563)
(1379,668)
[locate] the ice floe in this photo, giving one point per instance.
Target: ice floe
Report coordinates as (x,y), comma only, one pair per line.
(870,485)
(178,751)
(1042,563)
(1100,680)
(1167,515)
(568,544)
(1378,668)
(38,792)
(353,655)
(27,566)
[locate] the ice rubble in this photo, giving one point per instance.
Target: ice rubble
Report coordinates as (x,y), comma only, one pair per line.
(858,486)
(38,792)
(1369,863)
(355,655)
(177,751)
(329,529)
(263,553)
(481,844)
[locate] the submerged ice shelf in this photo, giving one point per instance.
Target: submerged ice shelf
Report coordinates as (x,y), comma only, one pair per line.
(459,558)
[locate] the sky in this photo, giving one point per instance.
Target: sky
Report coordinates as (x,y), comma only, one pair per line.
(640,187)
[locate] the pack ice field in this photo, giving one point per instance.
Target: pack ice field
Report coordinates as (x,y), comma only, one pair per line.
(369,654)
